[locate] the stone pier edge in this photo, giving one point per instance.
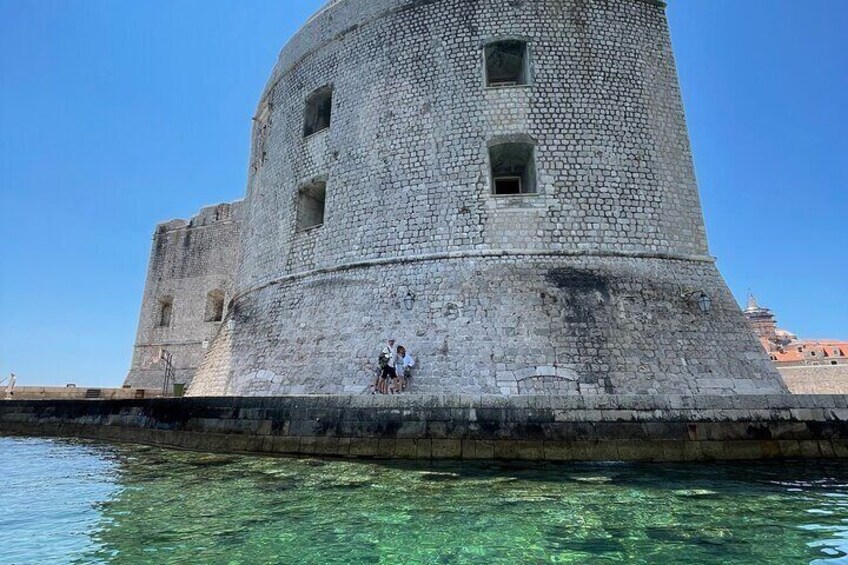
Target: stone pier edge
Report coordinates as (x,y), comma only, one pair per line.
(455,427)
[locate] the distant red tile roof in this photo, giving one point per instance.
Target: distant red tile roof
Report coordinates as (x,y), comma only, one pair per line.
(807,350)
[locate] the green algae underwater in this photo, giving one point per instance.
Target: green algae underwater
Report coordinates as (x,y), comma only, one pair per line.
(83,502)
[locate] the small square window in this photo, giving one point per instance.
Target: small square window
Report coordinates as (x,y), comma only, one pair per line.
(311,200)
(513,168)
(507,64)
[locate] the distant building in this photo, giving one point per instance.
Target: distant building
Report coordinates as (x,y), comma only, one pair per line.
(808,366)
(784,347)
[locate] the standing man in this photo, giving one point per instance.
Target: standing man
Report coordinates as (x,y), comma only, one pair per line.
(388,359)
(10,387)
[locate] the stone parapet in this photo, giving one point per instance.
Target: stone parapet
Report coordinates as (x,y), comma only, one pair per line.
(79,393)
(611,427)
(822,379)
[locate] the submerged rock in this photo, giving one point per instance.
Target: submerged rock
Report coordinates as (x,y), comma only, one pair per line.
(695,493)
(439,477)
(597,480)
(212,461)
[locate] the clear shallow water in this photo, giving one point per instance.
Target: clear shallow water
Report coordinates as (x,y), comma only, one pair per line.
(72,502)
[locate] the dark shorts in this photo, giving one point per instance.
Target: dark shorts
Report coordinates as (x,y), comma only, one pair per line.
(389,372)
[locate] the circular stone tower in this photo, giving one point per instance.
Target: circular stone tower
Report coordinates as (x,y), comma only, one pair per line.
(505,186)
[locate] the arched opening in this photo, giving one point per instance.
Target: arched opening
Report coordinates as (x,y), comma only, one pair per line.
(319,109)
(513,168)
(214,306)
(507,64)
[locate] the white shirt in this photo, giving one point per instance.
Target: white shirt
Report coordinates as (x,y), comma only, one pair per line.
(390,353)
(407,362)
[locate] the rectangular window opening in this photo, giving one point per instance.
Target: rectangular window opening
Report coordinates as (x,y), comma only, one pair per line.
(214,306)
(311,201)
(166,312)
(507,185)
(513,169)
(507,64)
(319,109)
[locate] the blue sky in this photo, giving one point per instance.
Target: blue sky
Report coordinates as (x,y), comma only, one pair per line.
(115,116)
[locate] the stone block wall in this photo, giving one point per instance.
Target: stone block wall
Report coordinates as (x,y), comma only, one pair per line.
(531,428)
(406,156)
(78,393)
(493,325)
(584,287)
(188,261)
(824,379)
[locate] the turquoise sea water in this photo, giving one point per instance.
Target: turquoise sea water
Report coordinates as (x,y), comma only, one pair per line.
(74,502)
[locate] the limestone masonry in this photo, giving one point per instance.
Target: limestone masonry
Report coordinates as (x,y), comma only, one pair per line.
(505,186)
(450,426)
(191,273)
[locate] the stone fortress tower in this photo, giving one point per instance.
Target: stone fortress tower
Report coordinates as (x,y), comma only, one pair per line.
(191,272)
(505,186)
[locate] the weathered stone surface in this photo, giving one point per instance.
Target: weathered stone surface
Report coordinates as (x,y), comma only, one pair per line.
(188,261)
(424,427)
(585,287)
(817,379)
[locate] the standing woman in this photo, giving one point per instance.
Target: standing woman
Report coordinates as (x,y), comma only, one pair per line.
(405,363)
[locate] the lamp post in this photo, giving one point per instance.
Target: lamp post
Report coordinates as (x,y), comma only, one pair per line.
(701,299)
(705,303)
